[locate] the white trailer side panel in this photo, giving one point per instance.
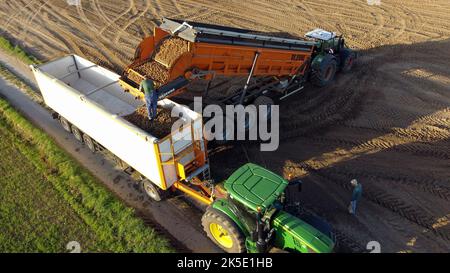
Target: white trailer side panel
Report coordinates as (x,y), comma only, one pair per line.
(123,139)
(90,97)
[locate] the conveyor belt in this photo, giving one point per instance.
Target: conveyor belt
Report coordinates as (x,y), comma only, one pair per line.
(198,32)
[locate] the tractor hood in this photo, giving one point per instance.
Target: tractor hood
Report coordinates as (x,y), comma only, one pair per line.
(294,234)
(255,187)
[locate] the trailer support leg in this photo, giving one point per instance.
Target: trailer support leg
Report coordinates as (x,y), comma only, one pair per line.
(241,101)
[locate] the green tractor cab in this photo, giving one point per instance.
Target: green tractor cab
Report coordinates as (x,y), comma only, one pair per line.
(252,217)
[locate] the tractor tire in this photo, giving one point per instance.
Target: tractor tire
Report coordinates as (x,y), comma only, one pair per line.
(348,58)
(89,143)
(324,75)
(223,231)
(77,134)
(152,191)
(65,124)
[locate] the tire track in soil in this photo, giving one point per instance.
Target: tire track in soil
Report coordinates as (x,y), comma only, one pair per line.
(384,143)
(113,23)
(38,33)
(345,232)
(424,184)
(325,106)
(61,33)
(91,31)
(380,197)
(341,107)
(34,14)
(121,49)
(19,7)
(130,22)
(97,9)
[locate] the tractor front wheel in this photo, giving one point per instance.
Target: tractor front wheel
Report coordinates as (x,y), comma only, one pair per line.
(223,231)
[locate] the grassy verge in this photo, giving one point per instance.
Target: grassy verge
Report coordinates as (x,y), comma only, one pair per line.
(12,78)
(48,199)
(17,51)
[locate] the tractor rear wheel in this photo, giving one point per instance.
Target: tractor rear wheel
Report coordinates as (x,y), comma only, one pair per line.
(324,75)
(223,231)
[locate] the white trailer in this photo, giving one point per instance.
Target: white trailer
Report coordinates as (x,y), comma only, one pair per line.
(89,100)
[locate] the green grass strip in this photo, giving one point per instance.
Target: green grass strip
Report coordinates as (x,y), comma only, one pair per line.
(17,51)
(115,225)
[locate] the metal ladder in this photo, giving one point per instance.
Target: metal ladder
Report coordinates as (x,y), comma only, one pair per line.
(207,172)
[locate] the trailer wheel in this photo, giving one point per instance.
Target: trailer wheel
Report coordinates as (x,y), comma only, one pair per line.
(65,124)
(77,133)
(324,75)
(348,58)
(223,231)
(89,143)
(151,190)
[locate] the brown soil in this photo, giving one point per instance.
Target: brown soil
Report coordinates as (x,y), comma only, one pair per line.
(386,123)
(159,128)
(170,50)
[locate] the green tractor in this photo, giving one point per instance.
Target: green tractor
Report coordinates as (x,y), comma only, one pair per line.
(330,56)
(252,217)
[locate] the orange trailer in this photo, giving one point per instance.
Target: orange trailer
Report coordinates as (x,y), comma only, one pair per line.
(216,50)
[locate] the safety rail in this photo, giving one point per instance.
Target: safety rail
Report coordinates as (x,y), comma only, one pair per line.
(175,158)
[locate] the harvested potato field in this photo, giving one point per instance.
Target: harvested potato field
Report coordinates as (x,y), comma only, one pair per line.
(160,127)
(385,124)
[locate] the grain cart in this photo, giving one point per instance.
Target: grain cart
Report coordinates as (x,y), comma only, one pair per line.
(245,213)
(283,65)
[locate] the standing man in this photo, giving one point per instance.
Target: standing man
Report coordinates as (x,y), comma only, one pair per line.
(151,97)
(356,195)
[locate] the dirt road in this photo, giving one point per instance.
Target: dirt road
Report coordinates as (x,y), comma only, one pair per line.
(387,124)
